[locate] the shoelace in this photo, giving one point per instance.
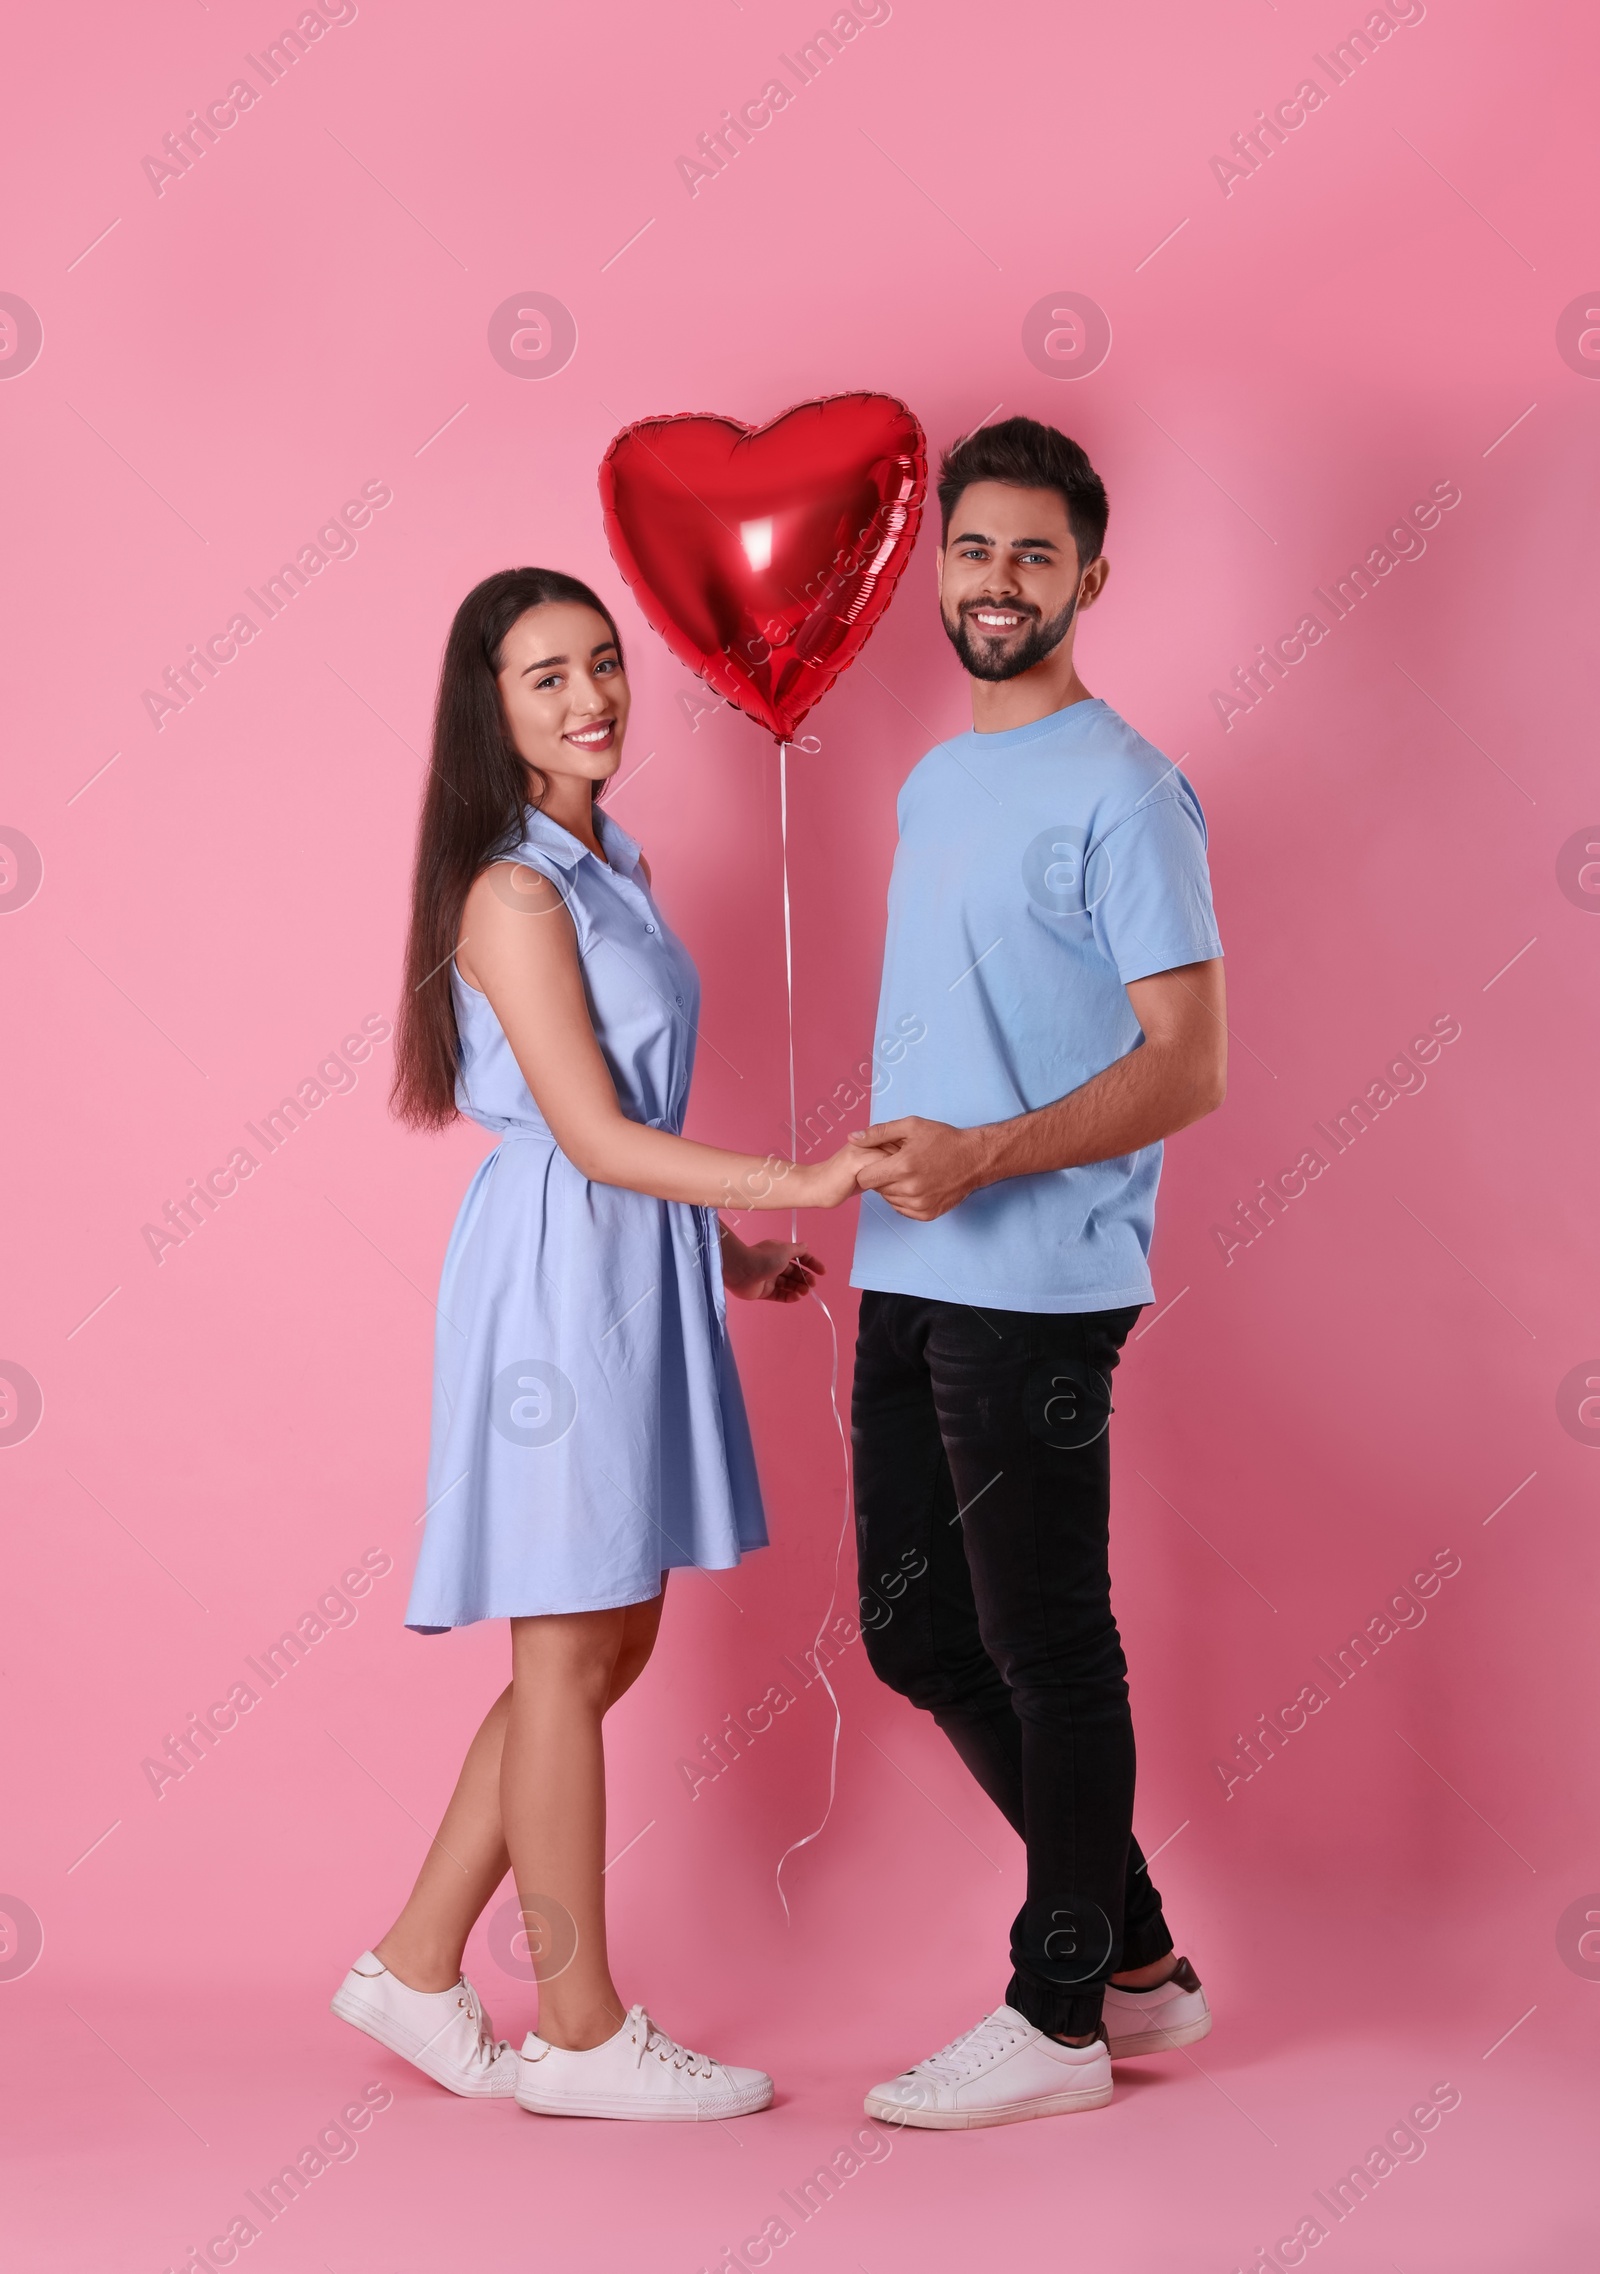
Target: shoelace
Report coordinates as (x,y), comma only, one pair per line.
(488,2045)
(973,2050)
(649,2040)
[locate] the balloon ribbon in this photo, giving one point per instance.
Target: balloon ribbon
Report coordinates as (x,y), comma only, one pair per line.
(833,1334)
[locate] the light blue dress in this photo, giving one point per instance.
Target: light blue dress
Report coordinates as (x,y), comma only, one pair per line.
(588,1428)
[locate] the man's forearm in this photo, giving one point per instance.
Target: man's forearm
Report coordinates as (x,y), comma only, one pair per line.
(1174,1075)
(1135,1101)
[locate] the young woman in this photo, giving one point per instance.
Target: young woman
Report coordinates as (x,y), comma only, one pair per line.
(588,1430)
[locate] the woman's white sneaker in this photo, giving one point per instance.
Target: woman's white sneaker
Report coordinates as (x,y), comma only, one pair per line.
(444,2033)
(1001,2072)
(640,2073)
(1174,2013)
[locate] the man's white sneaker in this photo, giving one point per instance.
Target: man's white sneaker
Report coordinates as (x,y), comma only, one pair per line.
(640,2073)
(1160,2020)
(999,2073)
(444,2033)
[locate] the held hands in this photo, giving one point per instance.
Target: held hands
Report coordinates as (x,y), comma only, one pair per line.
(922,1168)
(777,1183)
(778,1271)
(837,1178)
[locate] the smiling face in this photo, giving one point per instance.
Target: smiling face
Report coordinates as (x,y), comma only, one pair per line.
(1009,581)
(564,692)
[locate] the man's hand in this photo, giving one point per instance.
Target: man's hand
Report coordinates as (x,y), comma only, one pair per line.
(922,1168)
(1176,1073)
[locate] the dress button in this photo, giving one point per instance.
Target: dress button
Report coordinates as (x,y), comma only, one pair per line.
(649,927)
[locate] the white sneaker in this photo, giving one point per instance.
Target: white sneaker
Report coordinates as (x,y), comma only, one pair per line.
(640,2073)
(999,2073)
(1158,2020)
(444,2033)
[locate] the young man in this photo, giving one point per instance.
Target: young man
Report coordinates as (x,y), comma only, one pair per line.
(1050,926)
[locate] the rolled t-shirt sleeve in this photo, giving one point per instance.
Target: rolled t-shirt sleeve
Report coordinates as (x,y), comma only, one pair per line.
(1150,889)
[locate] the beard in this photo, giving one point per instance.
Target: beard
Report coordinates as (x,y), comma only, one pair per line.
(986,657)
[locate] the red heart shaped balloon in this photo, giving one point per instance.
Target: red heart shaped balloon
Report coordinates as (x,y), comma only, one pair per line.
(765,555)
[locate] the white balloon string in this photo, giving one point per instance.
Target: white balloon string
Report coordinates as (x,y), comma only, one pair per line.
(833,1333)
(833,1596)
(788,962)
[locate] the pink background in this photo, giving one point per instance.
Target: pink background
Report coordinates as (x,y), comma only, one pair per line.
(1374,1380)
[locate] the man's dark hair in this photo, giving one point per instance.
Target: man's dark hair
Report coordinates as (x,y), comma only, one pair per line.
(1030,457)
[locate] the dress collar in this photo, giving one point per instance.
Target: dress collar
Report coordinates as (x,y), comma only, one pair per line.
(560,845)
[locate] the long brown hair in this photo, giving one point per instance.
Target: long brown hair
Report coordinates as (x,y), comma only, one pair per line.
(478,788)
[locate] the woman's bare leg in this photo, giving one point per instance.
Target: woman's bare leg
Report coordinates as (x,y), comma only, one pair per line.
(468,1857)
(460,1872)
(641,1622)
(553,1808)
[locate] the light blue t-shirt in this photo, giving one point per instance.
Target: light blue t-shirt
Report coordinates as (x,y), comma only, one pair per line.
(1038,871)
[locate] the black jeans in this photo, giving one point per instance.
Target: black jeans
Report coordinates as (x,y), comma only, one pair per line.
(983,1492)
